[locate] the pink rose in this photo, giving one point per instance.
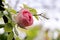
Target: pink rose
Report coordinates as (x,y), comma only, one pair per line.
(24,18)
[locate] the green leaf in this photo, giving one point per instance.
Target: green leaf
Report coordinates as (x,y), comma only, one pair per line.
(13,11)
(25,6)
(3,37)
(17,38)
(1,14)
(10,36)
(8,27)
(32,10)
(10,20)
(32,33)
(9,15)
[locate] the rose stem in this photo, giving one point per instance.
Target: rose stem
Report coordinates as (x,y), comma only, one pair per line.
(41,15)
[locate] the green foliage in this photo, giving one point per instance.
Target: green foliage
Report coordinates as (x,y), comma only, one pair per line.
(32,33)
(3,37)
(8,22)
(9,15)
(1,14)
(10,36)
(7,36)
(32,10)
(17,38)
(8,27)
(13,11)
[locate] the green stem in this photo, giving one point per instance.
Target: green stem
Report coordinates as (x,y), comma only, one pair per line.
(41,15)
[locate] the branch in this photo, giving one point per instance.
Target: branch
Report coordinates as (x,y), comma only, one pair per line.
(41,15)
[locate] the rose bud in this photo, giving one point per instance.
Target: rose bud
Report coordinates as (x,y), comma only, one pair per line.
(24,18)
